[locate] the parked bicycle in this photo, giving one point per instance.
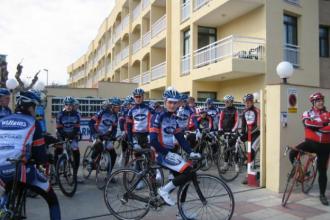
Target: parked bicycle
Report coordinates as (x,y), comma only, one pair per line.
(195,199)
(303,172)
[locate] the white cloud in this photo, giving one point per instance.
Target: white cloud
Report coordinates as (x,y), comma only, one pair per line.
(49,33)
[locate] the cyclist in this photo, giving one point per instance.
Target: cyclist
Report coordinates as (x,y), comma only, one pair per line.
(24,135)
(68,127)
(213,112)
(228,122)
(104,125)
(164,127)
(317,139)
(40,110)
(138,123)
(250,119)
(204,120)
(4,102)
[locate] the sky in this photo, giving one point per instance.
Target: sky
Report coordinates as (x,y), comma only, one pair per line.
(48,34)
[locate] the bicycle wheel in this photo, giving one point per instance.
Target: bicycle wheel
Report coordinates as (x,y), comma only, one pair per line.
(207,152)
(87,159)
(66,179)
(103,170)
(290,184)
(232,169)
(122,198)
(17,203)
(208,197)
(309,174)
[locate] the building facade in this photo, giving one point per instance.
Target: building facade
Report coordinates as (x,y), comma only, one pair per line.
(208,48)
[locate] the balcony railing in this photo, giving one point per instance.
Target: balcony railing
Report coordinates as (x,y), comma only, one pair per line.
(136,46)
(146,39)
(231,46)
(136,79)
(146,77)
(125,22)
(185,65)
(158,26)
(125,80)
(145,3)
(137,11)
(292,54)
(199,3)
(158,71)
(185,11)
(124,53)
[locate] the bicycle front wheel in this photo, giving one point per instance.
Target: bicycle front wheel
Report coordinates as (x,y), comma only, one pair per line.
(290,184)
(103,170)
(66,178)
(87,159)
(122,197)
(309,175)
(206,197)
(228,166)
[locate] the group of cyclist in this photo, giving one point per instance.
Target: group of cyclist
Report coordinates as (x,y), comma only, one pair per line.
(142,126)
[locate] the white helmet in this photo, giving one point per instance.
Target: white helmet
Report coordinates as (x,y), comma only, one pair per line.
(229,98)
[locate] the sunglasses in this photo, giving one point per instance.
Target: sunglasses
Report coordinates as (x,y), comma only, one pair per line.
(137,97)
(172,102)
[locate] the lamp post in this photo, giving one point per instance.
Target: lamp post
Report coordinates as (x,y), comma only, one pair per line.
(284,70)
(12,84)
(47,76)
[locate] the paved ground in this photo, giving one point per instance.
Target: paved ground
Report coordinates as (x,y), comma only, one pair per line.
(251,203)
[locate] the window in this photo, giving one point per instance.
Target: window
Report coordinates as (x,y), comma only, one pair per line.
(186,42)
(324,41)
(290,30)
(202,96)
(206,36)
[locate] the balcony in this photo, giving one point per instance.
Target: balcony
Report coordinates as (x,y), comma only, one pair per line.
(158,26)
(199,3)
(136,79)
(146,39)
(125,22)
(146,77)
(136,46)
(232,46)
(158,71)
(124,53)
(185,11)
(292,54)
(109,67)
(117,59)
(137,11)
(117,33)
(145,4)
(185,65)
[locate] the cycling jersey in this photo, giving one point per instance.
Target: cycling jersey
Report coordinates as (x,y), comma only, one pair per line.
(68,124)
(4,111)
(186,117)
(250,117)
(228,119)
(104,123)
(214,113)
(138,120)
(205,123)
(316,124)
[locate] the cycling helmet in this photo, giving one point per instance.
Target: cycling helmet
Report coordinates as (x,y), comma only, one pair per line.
(115,101)
(248,97)
(105,104)
(316,96)
(171,95)
(228,98)
(41,96)
(4,92)
(68,100)
(138,92)
(209,101)
(129,99)
(76,102)
(184,97)
(27,98)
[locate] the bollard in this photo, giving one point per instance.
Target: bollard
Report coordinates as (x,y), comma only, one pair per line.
(252,175)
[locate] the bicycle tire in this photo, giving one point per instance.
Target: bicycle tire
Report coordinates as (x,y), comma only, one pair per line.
(207,161)
(229,174)
(65,176)
(116,192)
(87,158)
(186,195)
(310,172)
(291,181)
(103,170)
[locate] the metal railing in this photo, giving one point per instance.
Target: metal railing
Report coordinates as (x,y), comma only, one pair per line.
(145,3)
(231,46)
(158,71)
(124,53)
(136,46)
(158,26)
(199,3)
(137,11)
(185,65)
(146,77)
(292,54)
(185,11)
(146,39)
(136,79)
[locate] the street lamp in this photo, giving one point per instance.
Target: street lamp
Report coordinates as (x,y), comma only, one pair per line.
(284,70)
(47,76)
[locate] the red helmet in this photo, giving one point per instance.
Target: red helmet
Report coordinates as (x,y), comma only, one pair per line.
(316,96)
